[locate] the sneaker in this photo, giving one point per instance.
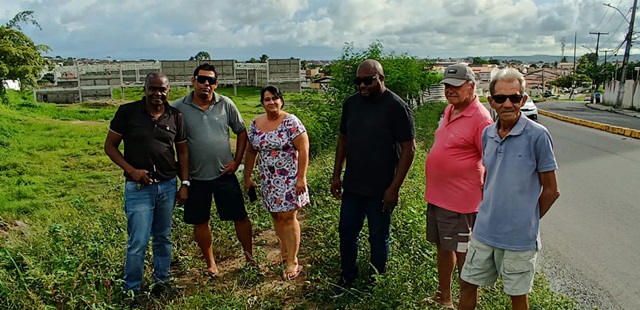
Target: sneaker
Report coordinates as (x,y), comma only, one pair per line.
(132,299)
(342,286)
(163,290)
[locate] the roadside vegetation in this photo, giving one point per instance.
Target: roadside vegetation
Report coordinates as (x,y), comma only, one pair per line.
(63,229)
(63,233)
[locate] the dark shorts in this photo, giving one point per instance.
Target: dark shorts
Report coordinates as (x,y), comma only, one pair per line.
(227,194)
(452,230)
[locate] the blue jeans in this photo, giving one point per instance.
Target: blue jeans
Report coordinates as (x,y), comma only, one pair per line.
(352,213)
(149,210)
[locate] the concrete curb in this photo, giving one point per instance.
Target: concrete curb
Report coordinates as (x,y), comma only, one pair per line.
(627,132)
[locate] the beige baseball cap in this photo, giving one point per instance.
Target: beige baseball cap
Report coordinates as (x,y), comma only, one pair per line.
(457,74)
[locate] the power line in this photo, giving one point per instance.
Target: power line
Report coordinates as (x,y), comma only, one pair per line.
(603,16)
(611,17)
(615,32)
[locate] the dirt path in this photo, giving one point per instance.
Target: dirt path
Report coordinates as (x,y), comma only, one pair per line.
(253,283)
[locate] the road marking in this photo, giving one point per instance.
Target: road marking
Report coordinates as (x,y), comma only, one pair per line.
(627,132)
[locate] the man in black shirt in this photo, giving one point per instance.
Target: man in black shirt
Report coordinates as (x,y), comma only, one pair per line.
(377,142)
(150,129)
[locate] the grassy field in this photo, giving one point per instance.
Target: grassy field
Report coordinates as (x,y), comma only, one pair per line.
(247,99)
(63,232)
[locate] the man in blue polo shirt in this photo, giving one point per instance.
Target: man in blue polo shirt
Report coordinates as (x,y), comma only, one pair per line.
(520,187)
(208,117)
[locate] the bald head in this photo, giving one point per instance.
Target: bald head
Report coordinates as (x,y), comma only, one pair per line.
(370,79)
(156,75)
(372,65)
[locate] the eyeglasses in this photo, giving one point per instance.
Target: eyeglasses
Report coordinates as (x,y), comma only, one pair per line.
(203,78)
(515,98)
(367,80)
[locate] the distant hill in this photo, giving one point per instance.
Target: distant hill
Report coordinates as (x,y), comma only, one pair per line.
(554,58)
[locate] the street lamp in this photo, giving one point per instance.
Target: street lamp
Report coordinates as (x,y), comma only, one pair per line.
(590,50)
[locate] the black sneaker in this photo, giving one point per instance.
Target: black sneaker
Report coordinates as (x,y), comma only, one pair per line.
(342,286)
(132,299)
(163,290)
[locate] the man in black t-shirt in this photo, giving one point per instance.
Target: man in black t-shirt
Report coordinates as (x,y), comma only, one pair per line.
(151,130)
(377,142)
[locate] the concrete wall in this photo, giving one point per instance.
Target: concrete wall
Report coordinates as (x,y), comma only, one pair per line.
(631,97)
(282,73)
(71,95)
(285,74)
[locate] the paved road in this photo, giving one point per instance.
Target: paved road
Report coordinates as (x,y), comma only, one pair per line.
(591,243)
(578,109)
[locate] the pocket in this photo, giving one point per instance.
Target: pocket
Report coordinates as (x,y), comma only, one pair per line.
(519,262)
(473,255)
(131,186)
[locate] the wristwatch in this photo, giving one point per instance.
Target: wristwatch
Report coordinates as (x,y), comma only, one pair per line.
(186,183)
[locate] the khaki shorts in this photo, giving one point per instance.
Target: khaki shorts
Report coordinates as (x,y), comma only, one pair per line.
(451,230)
(484,263)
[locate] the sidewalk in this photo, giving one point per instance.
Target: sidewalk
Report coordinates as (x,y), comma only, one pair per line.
(624,131)
(607,108)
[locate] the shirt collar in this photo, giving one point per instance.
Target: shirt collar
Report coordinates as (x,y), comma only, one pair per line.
(472,108)
(188,99)
(167,107)
(469,111)
(517,129)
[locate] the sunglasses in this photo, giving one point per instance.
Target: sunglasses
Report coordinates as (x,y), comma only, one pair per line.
(203,78)
(515,98)
(367,80)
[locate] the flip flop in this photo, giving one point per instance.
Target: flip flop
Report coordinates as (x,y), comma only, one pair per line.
(294,276)
(435,301)
(211,275)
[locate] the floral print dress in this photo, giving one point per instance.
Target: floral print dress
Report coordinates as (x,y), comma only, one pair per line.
(278,162)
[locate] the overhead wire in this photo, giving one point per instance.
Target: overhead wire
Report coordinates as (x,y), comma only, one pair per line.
(605,15)
(615,32)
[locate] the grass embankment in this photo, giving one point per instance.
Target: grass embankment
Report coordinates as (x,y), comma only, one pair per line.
(63,233)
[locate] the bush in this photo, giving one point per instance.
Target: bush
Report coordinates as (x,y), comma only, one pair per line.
(320,116)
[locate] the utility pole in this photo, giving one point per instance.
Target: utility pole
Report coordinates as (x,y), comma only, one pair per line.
(573,84)
(575,42)
(604,67)
(625,59)
(594,83)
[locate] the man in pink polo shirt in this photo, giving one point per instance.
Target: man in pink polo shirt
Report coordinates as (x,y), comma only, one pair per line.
(454,174)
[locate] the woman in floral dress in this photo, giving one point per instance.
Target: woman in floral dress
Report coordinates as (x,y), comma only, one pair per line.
(281,143)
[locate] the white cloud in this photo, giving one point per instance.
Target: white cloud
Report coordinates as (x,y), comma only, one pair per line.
(177,29)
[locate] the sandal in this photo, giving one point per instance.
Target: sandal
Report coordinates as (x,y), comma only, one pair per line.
(293,276)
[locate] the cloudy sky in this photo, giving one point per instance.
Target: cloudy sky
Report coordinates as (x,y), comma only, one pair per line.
(318,29)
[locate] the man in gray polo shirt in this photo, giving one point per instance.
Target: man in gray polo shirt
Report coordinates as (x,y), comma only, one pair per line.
(520,187)
(208,117)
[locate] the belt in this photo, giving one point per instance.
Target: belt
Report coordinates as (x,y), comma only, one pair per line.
(154,180)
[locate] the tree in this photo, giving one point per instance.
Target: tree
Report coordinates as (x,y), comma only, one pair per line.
(48,78)
(201,55)
(570,80)
(264,58)
(404,74)
(564,59)
(20,58)
(479,61)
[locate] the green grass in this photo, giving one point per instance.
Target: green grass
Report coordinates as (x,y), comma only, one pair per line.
(55,178)
(247,100)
